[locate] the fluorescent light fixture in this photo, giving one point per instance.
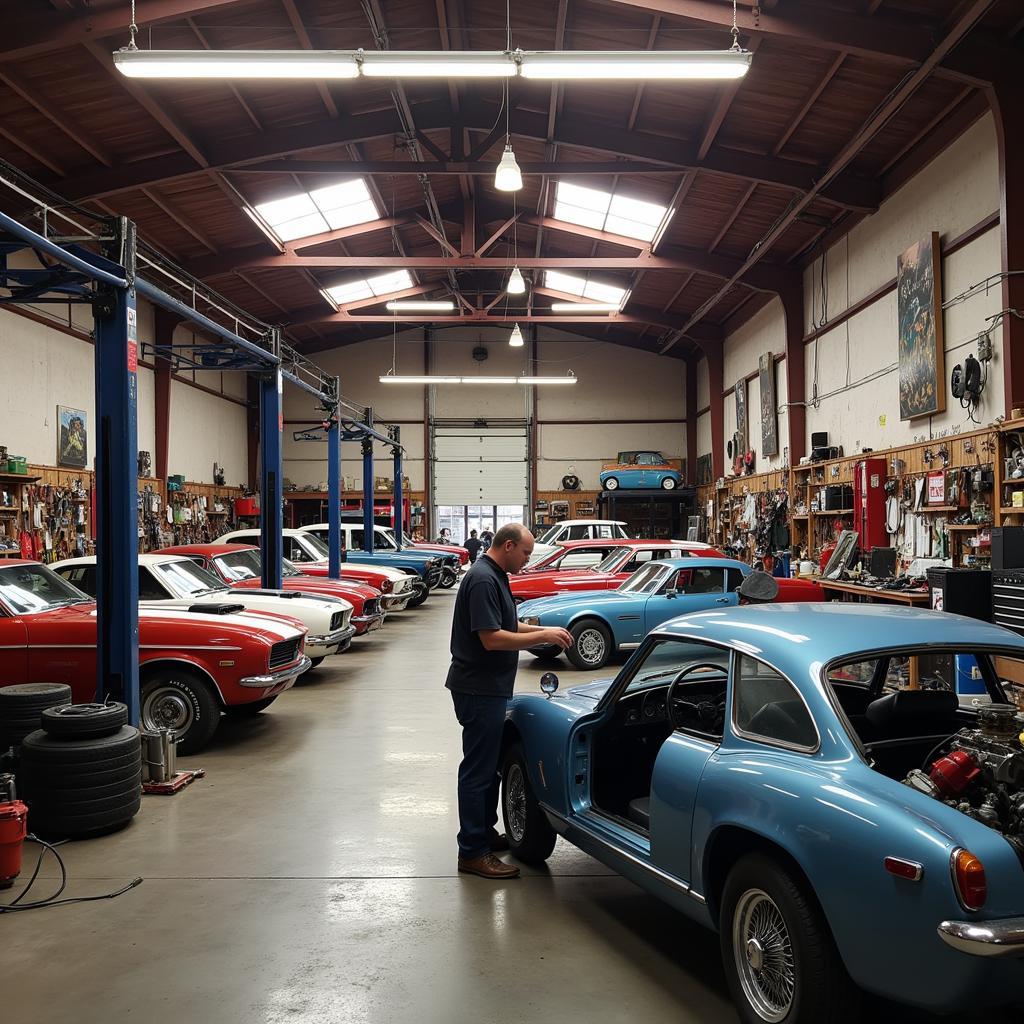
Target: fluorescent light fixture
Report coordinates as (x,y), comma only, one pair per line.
(365,288)
(585,288)
(516,282)
(637,65)
(392,378)
(324,209)
(634,65)
(584,307)
(516,337)
(443,64)
(415,306)
(618,214)
(237,63)
(508,177)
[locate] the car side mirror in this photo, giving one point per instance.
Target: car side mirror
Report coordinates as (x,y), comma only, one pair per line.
(549,683)
(672,592)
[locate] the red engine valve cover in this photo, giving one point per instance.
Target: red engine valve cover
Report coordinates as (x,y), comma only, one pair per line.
(953,773)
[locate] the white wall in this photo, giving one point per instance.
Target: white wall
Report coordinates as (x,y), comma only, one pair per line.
(46,367)
(852,368)
(615,385)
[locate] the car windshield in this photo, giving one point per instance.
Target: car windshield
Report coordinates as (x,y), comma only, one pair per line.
(314,547)
(667,658)
(548,536)
(27,589)
(646,579)
(186,579)
(381,542)
(289,568)
(240,565)
(611,560)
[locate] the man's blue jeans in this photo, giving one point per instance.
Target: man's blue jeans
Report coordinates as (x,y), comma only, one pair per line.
(482,719)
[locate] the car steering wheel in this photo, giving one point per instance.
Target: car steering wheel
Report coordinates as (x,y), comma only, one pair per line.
(705,709)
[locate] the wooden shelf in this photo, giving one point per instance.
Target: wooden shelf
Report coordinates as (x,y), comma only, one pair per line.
(835,512)
(940,508)
(970,527)
(18,478)
(800,515)
(1009,510)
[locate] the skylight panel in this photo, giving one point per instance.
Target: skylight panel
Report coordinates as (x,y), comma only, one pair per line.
(596,291)
(560,282)
(323,209)
(350,291)
(619,215)
(369,287)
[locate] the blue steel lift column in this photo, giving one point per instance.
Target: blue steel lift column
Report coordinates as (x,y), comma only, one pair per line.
(117,581)
(397,518)
(368,542)
(334,487)
(271,518)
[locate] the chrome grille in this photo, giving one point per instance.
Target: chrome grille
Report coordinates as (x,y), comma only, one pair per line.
(284,652)
(370,607)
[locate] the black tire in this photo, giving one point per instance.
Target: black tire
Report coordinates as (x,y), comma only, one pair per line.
(84,801)
(177,699)
(530,837)
(668,484)
(761,894)
(64,779)
(420,594)
(449,577)
(84,720)
(70,826)
(33,696)
(40,748)
(592,645)
(611,484)
(545,653)
(250,710)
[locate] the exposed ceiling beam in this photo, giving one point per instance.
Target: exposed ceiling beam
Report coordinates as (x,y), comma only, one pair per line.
(205,43)
(505,226)
(808,103)
(476,168)
(43,33)
(721,107)
(183,221)
(731,219)
(955,32)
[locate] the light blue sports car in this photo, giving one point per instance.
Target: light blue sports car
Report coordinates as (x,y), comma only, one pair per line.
(605,621)
(640,469)
(770,772)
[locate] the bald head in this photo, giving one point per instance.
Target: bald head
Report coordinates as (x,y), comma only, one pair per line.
(512,547)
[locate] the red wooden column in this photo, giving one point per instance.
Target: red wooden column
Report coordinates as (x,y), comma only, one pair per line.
(715,356)
(1006,98)
(691,421)
(792,298)
(164,323)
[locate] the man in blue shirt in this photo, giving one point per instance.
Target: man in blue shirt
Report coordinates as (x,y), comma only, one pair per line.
(487,637)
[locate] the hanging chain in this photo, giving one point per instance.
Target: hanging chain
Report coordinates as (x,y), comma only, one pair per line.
(133,29)
(735,28)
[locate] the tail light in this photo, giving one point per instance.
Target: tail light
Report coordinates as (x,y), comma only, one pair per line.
(969,879)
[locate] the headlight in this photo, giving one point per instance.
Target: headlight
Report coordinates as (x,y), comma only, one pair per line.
(530,620)
(385,587)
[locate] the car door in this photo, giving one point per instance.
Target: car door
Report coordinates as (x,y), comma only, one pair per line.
(687,590)
(13,647)
(644,475)
(698,727)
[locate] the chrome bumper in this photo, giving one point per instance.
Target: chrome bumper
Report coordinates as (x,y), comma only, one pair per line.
(396,602)
(278,677)
(339,636)
(999,939)
(370,622)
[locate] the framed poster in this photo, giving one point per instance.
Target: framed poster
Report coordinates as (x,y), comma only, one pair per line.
(741,416)
(919,306)
(72,440)
(769,405)
(936,488)
(703,469)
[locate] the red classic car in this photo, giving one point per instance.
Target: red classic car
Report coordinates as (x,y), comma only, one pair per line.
(584,554)
(619,563)
(192,666)
(241,567)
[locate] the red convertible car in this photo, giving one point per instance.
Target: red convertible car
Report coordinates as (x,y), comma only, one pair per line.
(241,567)
(619,563)
(192,666)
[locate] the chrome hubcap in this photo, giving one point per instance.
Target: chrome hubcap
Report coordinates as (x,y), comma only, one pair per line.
(764,956)
(515,803)
(591,646)
(166,707)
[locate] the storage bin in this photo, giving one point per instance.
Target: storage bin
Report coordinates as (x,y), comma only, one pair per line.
(17,464)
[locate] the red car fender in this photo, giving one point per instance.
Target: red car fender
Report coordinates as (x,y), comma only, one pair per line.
(151,661)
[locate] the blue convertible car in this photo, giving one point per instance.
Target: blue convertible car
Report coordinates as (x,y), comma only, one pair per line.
(605,621)
(802,779)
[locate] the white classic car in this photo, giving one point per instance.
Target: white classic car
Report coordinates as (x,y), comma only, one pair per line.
(176,582)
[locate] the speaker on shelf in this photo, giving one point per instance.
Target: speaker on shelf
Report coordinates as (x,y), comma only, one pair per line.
(819,439)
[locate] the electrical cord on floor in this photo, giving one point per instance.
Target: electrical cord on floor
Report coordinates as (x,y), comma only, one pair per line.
(53,900)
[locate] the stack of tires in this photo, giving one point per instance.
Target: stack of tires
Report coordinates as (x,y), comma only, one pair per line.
(22,704)
(82,772)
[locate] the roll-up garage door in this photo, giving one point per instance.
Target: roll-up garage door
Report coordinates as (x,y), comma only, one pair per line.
(481,466)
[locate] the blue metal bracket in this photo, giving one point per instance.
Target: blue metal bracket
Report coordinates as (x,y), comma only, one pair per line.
(397,518)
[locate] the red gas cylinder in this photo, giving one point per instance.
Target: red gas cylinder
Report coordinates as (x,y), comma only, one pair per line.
(13,819)
(953,773)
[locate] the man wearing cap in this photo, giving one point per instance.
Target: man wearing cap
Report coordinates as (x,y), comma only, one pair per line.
(758,588)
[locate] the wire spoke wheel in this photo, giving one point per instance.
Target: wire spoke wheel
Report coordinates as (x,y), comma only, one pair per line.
(764,956)
(515,803)
(591,646)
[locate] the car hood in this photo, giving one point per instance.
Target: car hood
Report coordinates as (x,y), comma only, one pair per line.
(559,603)
(577,579)
(238,624)
(591,692)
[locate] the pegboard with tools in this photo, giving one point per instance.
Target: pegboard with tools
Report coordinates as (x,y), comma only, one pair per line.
(55,523)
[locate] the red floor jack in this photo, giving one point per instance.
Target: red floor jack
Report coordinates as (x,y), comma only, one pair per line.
(13,827)
(159,774)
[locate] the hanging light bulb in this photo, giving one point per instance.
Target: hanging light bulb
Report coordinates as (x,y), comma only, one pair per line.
(516,282)
(516,337)
(508,177)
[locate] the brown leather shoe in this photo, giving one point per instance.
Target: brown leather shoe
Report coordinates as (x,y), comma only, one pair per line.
(488,866)
(499,844)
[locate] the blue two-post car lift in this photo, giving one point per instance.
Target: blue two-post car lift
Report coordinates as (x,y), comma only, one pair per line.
(107,281)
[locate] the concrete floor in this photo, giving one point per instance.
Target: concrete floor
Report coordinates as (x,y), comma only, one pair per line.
(311,878)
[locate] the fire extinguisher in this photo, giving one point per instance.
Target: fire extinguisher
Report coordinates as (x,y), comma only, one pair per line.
(13,828)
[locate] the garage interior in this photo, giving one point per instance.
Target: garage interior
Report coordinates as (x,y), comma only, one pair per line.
(304,300)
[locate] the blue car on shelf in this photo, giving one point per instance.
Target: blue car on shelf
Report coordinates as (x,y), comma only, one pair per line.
(769,772)
(640,470)
(603,622)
